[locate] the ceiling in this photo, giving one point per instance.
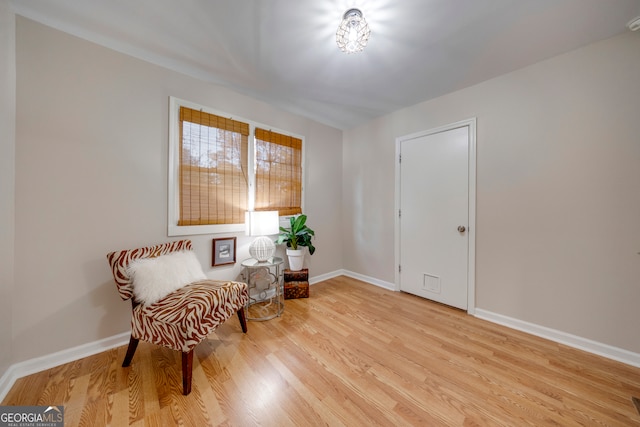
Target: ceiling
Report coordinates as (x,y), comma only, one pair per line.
(284,51)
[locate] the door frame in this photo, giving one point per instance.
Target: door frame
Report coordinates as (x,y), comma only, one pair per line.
(471,271)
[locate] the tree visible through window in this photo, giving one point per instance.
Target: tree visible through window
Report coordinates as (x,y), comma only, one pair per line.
(213,169)
(278,172)
(217,171)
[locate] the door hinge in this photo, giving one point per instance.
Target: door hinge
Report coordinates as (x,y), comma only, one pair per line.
(399,158)
(399,213)
(399,269)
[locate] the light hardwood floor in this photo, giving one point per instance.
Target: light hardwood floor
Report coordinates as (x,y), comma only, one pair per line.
(351,355)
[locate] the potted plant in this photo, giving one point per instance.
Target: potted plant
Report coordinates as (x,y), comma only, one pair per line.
(297,236)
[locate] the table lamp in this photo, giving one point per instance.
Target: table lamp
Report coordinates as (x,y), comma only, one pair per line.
(262,224)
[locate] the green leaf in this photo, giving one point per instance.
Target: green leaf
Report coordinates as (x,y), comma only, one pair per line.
(298,235)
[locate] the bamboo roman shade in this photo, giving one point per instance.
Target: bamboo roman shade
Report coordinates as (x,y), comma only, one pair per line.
(213,168)
(278,172)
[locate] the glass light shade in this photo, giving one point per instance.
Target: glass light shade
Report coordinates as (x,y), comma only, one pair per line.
(262,223)
(353,33)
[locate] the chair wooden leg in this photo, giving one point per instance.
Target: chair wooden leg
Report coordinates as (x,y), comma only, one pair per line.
(133,344)
(187,369)
(243,320)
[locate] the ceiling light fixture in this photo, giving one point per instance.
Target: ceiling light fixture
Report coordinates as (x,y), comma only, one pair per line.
(353,33)
(634,24)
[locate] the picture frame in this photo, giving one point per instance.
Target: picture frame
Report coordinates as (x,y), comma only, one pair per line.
(224,251)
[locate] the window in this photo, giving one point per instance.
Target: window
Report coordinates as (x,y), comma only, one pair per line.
(221,166)
(278,172)
(213,169)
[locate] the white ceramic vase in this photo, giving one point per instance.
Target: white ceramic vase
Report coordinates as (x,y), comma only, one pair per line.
(296,259)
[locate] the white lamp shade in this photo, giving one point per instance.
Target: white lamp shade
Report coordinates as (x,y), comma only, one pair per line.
(262,223)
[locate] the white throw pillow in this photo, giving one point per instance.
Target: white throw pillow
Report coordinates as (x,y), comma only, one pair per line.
(155,278)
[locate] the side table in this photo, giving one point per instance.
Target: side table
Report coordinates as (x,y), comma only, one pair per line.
(265,281)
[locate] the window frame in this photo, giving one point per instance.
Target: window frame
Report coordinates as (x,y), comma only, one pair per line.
(173,229)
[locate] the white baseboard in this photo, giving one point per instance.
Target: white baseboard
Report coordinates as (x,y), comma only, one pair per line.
(49,361)
(326,276)
(358,276)
(570,340)
(338,273)
(372,280)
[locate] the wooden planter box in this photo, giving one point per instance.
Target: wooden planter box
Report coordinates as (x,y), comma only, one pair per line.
(296,284)
(293,290)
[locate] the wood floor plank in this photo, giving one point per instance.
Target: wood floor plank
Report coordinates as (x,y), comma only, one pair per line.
(350,355)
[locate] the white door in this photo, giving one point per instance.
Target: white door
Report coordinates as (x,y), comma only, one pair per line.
(434,214)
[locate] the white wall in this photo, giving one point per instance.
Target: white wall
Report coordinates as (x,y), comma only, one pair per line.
(7,177)
(557,231)
(558,202)
(91,177)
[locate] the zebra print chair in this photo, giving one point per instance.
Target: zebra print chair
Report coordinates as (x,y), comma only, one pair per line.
(184,317)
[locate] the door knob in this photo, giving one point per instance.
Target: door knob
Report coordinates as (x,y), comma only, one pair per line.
(461,228)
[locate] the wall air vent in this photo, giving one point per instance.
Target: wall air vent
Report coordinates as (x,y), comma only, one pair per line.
(431,283)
